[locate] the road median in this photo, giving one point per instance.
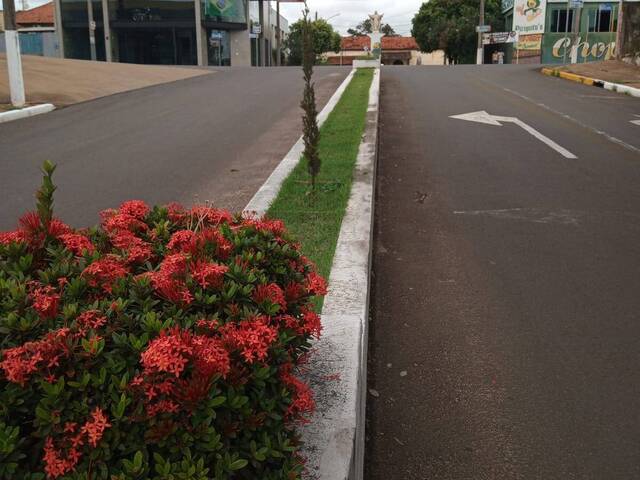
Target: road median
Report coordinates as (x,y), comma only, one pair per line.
(334,226)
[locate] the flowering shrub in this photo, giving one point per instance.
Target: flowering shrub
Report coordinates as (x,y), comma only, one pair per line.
(162,344)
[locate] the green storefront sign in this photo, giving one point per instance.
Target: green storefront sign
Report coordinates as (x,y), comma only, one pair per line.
(232,11)
(556,47)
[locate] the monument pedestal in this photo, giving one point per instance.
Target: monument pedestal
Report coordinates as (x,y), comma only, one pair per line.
(376,44)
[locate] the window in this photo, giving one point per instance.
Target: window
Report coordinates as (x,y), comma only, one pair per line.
(559,21)
(602,19)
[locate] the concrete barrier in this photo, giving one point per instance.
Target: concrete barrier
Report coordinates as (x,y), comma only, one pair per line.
(334,441)
(25,112)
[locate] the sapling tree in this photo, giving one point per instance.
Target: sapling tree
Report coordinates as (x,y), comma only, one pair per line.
(311,132)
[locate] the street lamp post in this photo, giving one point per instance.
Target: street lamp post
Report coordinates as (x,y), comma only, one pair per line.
(14,63)
(480,54)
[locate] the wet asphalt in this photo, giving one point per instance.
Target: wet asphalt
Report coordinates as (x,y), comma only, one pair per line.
(213,138)
(505,323)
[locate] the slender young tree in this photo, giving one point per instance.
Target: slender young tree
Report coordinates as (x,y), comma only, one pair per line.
(311,132)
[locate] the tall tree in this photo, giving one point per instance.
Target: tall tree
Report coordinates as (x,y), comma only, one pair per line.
(364,28)
(325,39)
(311,131)
(450,25)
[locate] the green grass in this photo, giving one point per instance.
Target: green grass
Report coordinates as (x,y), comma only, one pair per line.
(314,218)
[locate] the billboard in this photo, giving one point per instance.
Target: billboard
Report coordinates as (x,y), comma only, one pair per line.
(529,16)
(226,10)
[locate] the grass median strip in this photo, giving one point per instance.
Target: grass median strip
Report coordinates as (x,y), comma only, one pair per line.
(315,218)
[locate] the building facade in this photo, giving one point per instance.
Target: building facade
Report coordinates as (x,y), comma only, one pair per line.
(394,51)
(36,31)
(170,32)
(556,31)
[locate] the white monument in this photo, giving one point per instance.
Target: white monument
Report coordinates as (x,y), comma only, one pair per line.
(376,35)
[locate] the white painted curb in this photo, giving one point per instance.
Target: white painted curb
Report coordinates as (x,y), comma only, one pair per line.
(263,199)
(26,112)
(366,64)
(334,440)
(617,87)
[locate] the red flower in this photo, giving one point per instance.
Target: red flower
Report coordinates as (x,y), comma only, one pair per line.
(45,301)
(104,272)
(77,243)
(17,236)
(182,241)
(170,352)
(19,363)
(211,217)
(169,280)
(91,319)
(251,337)
(135,208)
(137,250)
(316,285)
(272,293)
(55,464)
(208,274)
(302,403)
(94,428)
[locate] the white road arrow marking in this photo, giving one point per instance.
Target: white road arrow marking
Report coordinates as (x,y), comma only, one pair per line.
(484,117)
(636,122)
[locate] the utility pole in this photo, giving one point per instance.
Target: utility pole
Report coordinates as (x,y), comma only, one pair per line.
(14,63)
(92,30)
(278,35)
(480,56)
(620,32)
(261,42)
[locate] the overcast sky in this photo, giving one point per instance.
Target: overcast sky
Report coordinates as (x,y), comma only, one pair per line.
(398,13)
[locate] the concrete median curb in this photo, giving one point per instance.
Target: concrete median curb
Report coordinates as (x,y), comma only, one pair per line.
(334,441)
(268,192)
(614,87)
(26,112)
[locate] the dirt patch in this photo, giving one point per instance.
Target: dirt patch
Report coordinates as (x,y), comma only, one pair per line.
(611,71)
(64,82)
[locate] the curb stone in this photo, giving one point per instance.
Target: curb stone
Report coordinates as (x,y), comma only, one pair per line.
(614,87)
(268,192)
(26,112)
(334,440)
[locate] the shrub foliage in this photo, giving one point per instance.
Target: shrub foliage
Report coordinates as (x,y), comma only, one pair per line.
(162,344)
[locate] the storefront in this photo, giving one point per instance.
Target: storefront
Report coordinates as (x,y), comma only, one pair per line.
(162,32)
(553,32)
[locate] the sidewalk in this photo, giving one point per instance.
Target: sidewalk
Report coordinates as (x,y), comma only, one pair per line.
(613,71)
(64,82)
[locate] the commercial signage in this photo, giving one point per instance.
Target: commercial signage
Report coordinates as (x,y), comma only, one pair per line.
(499,37)
(529,42)
(226,10)
(576,3)
(507,5)
(597,46)
(483,28)
(256,28)
(529,16)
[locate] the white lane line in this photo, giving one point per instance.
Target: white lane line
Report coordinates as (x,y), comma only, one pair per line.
(611,138)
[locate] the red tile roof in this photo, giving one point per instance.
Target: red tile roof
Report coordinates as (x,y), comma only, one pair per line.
(388,43)
(42,15)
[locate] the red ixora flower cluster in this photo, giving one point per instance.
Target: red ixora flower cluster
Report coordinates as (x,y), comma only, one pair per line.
(45,300)
(302,403)
(178,370)
(271,293)
(19,363)
(75,438)
(104,272)
(251,337)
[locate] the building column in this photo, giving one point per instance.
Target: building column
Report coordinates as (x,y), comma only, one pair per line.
(57,23)
(201,35)
(106,26)
(261,42)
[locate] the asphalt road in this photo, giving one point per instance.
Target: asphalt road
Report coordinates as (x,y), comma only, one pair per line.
(211,138)
(505,330)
